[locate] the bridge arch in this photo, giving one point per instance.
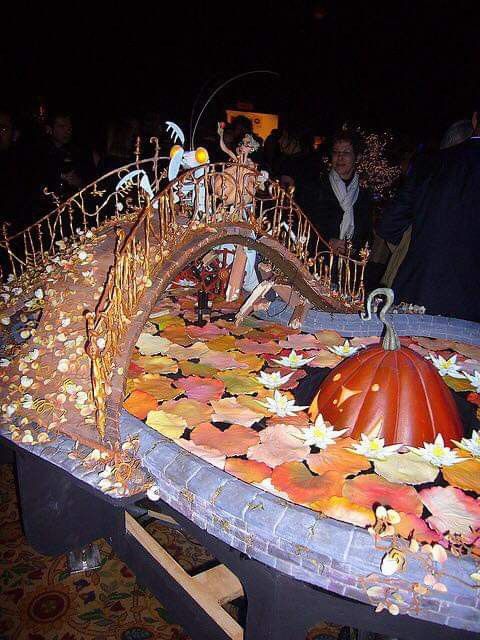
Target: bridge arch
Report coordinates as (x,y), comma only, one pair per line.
(194,248)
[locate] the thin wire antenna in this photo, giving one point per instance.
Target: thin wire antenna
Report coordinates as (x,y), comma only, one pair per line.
(240,75)
(196,101)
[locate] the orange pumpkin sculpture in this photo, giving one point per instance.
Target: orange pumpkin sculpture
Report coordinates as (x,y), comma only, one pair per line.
(388,385)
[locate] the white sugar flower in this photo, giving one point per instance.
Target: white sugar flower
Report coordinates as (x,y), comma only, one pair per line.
(107,472)
(293,360)
(273,380)
(39,294)
(4,362)
(373,447)
(82,255)
(10,410)
(26,382)
(321,434)
(345,350)
(472,445)
(63,365)
(17,291)
(447,367)
(33,355)
(27,401)
(437,453)
(281,405)
(474,380)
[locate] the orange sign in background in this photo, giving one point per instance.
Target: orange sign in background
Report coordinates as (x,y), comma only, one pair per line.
(263,123)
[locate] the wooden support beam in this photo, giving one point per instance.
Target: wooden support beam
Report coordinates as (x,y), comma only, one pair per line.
(221,583)
(162,517)
(192,586)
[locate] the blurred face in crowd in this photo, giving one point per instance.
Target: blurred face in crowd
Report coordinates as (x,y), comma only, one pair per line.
(6,131)
(343,159)
(62,130)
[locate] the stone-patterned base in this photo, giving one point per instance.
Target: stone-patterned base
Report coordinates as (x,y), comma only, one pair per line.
(352,325)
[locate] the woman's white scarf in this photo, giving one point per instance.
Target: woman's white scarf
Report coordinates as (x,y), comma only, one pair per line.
(346,196)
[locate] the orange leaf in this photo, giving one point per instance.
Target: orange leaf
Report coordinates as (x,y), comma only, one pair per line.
(192,411)
(329,338)
(371,489)
(221,343)
(160,387)
(177,335)
(234,441)
(324,358)
(139,403)
(248,470)
(411,524)
(346,511)
(201,389)
(295,479)
(231,411)
(465,475)
(336,457)
(248,360)
(300,419)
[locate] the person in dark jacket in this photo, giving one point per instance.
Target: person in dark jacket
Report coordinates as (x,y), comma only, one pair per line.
(441,269)
(343,209)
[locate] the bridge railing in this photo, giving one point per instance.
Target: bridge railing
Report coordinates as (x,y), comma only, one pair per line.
(203,197)
(34,247)
(225,192)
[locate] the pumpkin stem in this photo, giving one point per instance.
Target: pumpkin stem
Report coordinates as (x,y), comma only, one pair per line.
(390,337)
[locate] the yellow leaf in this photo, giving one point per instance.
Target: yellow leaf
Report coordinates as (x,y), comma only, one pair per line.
(464,475)
(221,343)
(156,364)
(458,384)
(168,424)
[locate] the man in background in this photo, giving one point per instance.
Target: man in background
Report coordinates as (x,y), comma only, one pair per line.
(441,270)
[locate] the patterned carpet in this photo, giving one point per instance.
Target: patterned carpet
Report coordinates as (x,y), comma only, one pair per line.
(40,600)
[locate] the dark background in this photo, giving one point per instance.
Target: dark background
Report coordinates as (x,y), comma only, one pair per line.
(410,66)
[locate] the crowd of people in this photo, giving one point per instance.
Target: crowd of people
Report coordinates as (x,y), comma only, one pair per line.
(426,234)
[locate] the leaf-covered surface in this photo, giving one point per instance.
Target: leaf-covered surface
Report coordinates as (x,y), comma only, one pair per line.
(212,389)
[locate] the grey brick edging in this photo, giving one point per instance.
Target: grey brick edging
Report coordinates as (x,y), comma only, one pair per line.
(290,538)
(405,324)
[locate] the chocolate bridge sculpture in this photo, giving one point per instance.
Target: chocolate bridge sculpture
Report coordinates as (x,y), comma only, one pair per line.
(97,264)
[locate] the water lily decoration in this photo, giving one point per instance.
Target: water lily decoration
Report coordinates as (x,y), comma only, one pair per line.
(346,350)
(472,445)
(447,367)
(474,380)
(437,453)
(273,380)
(321,434)
(293,360)
(281,405)
(373,447)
